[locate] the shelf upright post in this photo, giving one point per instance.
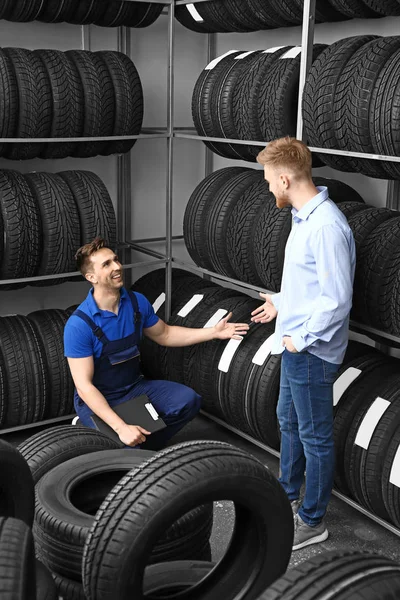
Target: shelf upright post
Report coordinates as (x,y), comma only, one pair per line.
(124,177)
(211,54)
(307,42)
(170,156)
(86,37)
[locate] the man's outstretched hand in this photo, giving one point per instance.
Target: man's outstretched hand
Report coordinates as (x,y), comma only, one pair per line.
(266,312)
(225,330)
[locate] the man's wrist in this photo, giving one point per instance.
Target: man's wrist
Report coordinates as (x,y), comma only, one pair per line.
(118,427)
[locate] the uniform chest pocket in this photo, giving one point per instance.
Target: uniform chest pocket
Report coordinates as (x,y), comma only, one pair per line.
(121,356)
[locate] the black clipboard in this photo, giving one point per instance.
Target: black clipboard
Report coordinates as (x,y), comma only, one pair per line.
(136,411)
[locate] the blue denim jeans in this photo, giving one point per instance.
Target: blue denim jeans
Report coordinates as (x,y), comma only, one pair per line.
(305,414)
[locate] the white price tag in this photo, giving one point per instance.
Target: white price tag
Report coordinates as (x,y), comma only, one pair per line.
(189,306)
(272,50)
(214,62)
(370,421)
(159,302)
(216,318)
(244,55)
(264,351)
(292,53)
(343,382)
(228,354)
(395,472)
(152,411)
(194,12)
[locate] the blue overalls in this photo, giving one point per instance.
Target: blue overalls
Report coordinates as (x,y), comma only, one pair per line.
(118,377)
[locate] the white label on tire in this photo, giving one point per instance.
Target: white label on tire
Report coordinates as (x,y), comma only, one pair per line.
(189,306)
(370,421)
(216,318)
(343,382)
(272,50)
(195,14)
(264,351)
(244,55)
(228,354)
(395,472)
(214,62)
(159,302)
(292,53)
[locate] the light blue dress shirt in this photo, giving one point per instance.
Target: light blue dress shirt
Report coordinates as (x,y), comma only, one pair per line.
(317,283)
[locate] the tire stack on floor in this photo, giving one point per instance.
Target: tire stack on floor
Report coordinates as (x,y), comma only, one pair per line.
(232,226)
(35,381)
(160,511)
(351,574)
(239,383)
(49,93)
(21,576)
(238,380)
(248,96)
(82,12)
(253,15)
(350,102)
(367,433)
(45,217)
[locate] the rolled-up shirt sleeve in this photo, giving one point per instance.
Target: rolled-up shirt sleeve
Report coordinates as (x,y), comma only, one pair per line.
(276,299)
(332,254)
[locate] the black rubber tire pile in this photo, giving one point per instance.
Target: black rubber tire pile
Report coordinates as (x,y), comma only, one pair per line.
(49,93)
(238,381)
(88,489)
(367,433)
(45,217)
(351,574)
(35,381)
(82,12)
(21,576)
(248,96)
(232,226)
(350,102)
(253,15)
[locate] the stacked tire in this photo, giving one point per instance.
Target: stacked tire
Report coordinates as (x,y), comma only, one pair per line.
(351,574)
(248,96)
(252,15)
(83,12)
(232,226)
(45,218)
(35,382)
(238,380)
(49,93)
(350,103)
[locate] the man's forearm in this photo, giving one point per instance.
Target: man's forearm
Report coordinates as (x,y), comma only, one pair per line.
(100,407)
(186,336)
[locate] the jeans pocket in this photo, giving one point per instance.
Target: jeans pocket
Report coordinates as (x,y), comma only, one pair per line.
(330,371)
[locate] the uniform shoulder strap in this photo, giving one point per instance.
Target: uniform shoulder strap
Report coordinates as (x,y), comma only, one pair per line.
(135,304)
(97,331)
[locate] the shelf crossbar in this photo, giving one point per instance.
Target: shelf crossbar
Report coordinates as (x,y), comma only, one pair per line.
(37,424)
(133,265)
(275,453)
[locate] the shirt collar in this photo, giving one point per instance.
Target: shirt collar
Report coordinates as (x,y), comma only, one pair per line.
(309,207)
(94,309)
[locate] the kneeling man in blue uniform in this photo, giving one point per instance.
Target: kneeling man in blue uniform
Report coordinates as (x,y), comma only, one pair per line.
(102,340)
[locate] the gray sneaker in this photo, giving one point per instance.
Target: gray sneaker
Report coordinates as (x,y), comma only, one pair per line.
(295,507)
(304,535)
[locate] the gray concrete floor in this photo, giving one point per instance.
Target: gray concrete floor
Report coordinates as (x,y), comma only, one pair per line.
(348,528)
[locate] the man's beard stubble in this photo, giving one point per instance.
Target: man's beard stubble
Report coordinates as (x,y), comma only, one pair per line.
(282,201)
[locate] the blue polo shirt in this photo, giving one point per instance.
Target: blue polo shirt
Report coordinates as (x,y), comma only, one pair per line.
(80,341)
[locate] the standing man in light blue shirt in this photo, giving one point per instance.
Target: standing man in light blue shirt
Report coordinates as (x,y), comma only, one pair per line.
(312,324)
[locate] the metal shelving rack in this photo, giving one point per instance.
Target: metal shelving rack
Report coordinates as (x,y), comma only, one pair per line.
(384,339)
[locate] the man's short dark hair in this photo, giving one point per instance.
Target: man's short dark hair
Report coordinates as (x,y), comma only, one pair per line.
(84,253)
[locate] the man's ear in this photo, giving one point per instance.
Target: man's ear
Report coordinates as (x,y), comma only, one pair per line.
(90,277)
